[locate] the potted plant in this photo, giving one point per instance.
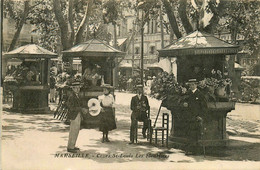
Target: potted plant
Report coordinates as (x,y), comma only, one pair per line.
(217,83)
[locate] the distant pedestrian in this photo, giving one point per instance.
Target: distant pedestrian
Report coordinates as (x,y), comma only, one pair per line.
(52,88)
(130,84)
(149,84)
(107,119)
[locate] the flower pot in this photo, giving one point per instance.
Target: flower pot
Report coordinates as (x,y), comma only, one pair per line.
(221,91)
(211,89)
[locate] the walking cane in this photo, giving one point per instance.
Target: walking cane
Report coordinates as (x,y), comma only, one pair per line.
(158,112)
(157,115)
(202,137)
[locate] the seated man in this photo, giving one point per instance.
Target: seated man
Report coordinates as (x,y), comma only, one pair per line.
(139,107)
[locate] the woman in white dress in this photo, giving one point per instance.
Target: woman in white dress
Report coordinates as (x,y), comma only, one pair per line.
(107,119)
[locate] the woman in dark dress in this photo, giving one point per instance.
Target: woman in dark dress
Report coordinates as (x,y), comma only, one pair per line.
(107,119)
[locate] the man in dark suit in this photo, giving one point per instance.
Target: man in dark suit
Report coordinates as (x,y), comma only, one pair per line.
(139,107)
(74,115)
(197,106)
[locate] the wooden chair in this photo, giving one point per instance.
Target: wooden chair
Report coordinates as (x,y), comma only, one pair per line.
(7,95)
(163,129)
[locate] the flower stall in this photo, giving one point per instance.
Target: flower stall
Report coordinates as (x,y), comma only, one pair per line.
(210,61)
(29,81)
(98,61)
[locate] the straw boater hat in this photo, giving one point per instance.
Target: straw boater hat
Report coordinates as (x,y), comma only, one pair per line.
(139,86)
(191,81)
(74,84)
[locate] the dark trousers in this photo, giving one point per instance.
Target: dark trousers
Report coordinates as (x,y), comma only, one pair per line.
(195,133)
(134,123)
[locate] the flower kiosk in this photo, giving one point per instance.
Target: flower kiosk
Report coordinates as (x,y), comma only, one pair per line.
(29,81)
(98,60)
(207,59)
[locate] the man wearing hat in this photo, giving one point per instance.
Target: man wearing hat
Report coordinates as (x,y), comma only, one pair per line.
(139,107)
(74,115)
(197,107)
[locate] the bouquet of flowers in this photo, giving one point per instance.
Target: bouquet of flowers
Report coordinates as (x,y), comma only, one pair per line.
(163,85)
(166,88)
(216,80)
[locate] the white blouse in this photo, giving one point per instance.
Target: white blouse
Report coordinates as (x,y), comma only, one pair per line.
(107,100)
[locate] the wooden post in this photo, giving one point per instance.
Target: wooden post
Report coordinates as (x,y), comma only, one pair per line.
(48,70)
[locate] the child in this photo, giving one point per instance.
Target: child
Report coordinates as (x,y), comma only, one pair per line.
(107,119)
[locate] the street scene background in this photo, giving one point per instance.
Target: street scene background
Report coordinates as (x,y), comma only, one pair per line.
(162,46)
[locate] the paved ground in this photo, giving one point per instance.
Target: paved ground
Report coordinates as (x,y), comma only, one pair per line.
(39,142)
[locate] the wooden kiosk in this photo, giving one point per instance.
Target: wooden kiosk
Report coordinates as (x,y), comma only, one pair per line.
(94,53)
(206,52)
(31,89)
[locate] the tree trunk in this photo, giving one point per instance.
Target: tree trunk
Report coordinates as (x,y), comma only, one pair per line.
(82,26)
(20,25)
(217,14)
(172,18)
(234,34)
(183,15)
(71,25)
(115,38)
(212,25)
(62,24)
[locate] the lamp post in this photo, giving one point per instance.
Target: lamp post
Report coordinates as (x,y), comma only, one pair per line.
(140,12)
(142,49)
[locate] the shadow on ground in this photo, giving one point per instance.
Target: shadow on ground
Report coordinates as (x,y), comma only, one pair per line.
(14,124)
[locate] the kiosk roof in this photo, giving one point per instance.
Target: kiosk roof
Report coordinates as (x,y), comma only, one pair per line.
(198,43)
(93,48)
(30,51)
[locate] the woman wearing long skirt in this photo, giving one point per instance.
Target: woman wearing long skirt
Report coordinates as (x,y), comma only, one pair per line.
(107,119)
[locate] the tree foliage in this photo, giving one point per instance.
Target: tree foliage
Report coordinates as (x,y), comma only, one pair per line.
(70,22)
(18,11)
(46,26)
(242,17)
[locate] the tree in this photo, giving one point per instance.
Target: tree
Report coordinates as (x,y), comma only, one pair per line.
(242,17)
(66,24)
(18,11)
(110,15)
(183,15)
(46,26)
(238,17)
(172,18)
